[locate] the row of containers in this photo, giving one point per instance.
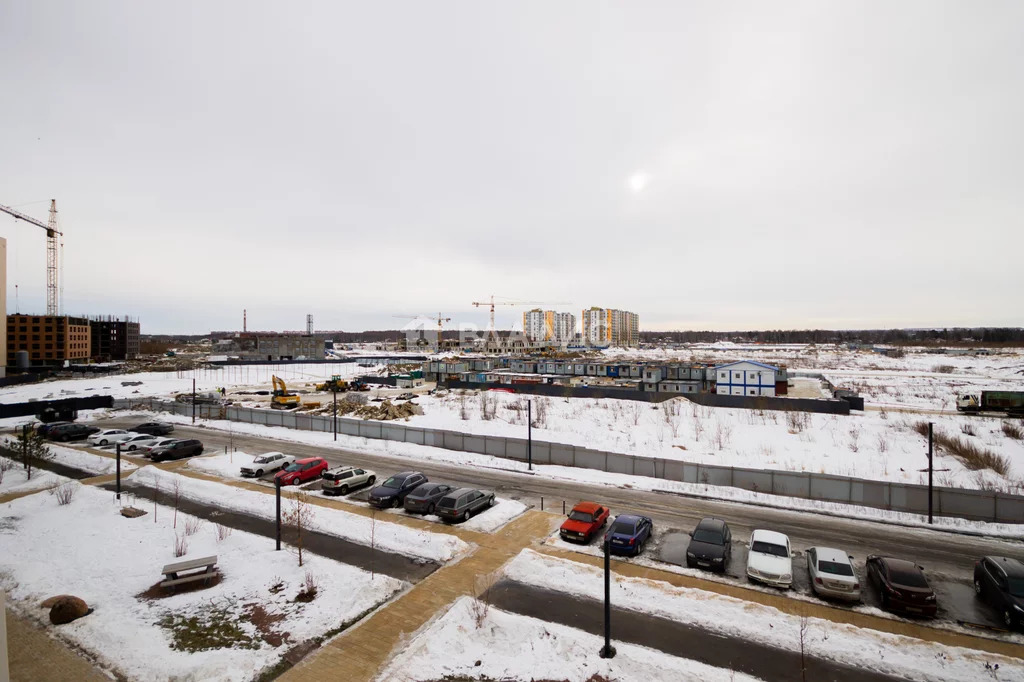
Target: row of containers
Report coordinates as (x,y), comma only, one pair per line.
(657,377)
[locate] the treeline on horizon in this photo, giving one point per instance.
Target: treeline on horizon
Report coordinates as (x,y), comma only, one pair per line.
(950,336)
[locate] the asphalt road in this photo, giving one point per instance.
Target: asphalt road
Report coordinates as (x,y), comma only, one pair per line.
(674,638)
(948,558)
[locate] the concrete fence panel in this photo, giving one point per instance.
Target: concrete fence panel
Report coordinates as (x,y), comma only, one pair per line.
(289,420)
(432,438)
(791,484)
(748,479)
(909,498)
(714,475)
(831,488)
(414,435)
(646,466)
(348,427)
(563,455)
(673,470)
(691,473)
(588,459)
(494,446)
(1009,508)
(369,429)
(393,432)
(618,464)
(515,448)
(477,444)
(969,504)
(453,441)
(870,493)
(541,452)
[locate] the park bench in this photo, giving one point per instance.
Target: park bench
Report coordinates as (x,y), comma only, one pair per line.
(189,571)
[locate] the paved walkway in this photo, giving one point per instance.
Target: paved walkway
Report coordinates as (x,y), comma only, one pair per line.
(35,656)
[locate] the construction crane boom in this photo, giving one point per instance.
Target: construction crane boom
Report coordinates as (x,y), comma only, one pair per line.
(52,298)
(493,303)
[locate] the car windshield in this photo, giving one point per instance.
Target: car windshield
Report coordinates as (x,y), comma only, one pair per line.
(762,547)
(263,460)
(1016,587)
(623,527)
(447,502)
(581,516)
(712,537)
(908,578)
(294,466)
(833,568)
(394,482)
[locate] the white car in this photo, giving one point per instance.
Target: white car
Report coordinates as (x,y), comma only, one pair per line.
(266,463)
(157,442)
(769,560)
(340,480)
(105,436)
(832,574)
(137,441)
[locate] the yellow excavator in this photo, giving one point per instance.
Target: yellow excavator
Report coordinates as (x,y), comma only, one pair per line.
(281,398)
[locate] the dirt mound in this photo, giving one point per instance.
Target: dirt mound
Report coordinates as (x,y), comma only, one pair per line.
(66,608)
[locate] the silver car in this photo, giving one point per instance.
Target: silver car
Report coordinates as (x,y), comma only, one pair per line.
(832,574)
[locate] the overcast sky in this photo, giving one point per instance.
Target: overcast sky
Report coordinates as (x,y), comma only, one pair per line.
(706,165)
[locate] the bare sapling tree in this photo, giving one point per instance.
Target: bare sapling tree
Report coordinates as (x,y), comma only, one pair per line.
(65,492)
(803,648)
(176,498)
(33,450)
(298,519)
(635,411)
(854,439)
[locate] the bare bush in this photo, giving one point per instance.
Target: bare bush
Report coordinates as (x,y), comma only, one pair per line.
(854,439)
(463,406)
(797,421)
(882,442)
(65,492)
(540,413)
(192,525)
(635,410)
(973,457)
(223,532)
(480,607)
(723,434)
(1011,430)
(968,430)
(882,414)
(180,545)
(310,588)
(488,405)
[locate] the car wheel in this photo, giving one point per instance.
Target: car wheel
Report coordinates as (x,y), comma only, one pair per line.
(343,490)
(1007,618)
(430,509)
(490,503)
(259,472)
(370,481)
(131,448)
(103,442)
(465,515)
(977,587)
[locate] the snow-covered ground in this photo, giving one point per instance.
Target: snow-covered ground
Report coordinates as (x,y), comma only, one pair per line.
(389,537)
(594,476)
(228,466)
(15,479)
(859,647)
(89,550)
(456,645)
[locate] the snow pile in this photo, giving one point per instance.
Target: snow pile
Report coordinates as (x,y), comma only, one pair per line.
(452,645)
(862,648)
(390,537)
(15,480)
(225,466)
(110,560)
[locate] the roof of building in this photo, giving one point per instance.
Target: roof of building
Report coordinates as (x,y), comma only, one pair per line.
(748,362)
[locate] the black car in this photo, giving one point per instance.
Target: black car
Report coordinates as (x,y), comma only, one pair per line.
(67,432)
(153,428)
(1000,581)
(44,429)
(425,497)
(177,450)
(710,545)
(459,505)
(392,492)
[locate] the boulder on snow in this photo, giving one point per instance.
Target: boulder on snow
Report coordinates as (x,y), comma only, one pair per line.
(66,608)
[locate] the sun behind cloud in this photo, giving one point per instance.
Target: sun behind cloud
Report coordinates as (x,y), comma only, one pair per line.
(638,181)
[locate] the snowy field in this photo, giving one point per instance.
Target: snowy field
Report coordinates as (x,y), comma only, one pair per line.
(227,466)
(456,645)
(117,559)
(15,479)
(388,537)
(862,648)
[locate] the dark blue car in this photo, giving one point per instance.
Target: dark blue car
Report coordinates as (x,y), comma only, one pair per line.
(628,534)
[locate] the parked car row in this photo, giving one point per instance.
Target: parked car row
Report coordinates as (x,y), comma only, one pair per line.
(148,439)
(900,584)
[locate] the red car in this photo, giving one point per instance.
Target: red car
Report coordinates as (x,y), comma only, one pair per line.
(585,519)
(301,470)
